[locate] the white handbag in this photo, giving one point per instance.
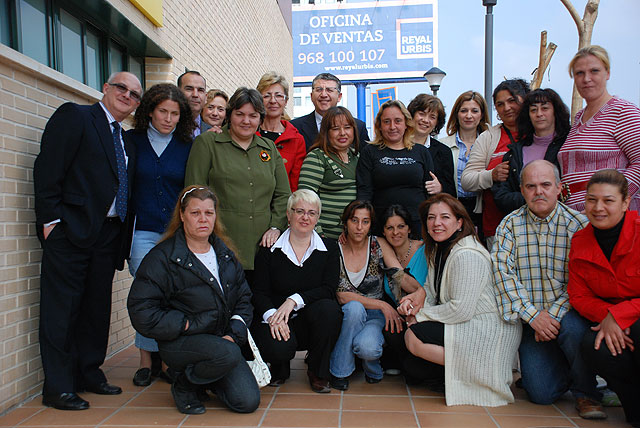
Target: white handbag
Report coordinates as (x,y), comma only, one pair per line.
(258,367)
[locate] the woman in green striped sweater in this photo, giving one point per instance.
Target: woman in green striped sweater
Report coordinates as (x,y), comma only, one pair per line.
(330,168)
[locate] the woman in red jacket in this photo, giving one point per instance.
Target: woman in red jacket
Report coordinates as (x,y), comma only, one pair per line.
(604,286)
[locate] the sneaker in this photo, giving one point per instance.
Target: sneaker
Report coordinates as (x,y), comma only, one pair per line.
(589,409)
(339,383)
(610,398)
(392,372)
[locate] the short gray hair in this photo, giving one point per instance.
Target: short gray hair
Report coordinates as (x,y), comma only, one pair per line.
(305,195)
(327,76)
(554,167)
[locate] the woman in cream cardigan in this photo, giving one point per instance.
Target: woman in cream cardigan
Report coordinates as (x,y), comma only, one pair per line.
(460,312)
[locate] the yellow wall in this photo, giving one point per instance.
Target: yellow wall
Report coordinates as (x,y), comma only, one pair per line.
(152,9)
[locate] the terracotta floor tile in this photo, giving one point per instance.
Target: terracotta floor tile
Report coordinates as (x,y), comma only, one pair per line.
(301,418)
(438,405)
(153,399)
(134,416)
(225,418)
(18,415)
(423,391)
(360,387)
(111,401)
(307,401)
(353,419)
(610,422)
(524,407)
(158,385)
(376,403)
(531,421)
(455,420)
(52,417)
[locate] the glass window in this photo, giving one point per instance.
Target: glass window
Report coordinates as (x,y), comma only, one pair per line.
(33,16)
(5,25)
(116,58)
(136,66)
(297,101)
(94,61)
(71,46)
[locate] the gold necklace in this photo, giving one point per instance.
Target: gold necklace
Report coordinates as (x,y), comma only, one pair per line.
(404,259)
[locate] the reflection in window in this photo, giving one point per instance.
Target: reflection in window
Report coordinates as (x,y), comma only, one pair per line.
(116,59)
(71,34)
(33,15)
(135,67)
(5,28)
(94,61)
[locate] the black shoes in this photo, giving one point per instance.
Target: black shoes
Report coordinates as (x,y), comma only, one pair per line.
(185,396)
(370,379)
(339,383)
(65,401)
(317,383)
(105,388)
(142,377)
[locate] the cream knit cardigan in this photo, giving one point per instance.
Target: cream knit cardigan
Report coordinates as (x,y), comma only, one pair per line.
(479,346)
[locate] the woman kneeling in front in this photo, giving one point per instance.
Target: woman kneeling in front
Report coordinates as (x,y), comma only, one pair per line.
(190,295)
(294,295)
(460,313)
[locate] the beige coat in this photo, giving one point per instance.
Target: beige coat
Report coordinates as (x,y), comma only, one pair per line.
(479,346)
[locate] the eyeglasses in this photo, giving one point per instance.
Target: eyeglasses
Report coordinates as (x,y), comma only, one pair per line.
(123,89)
(300,212)
(279,96)
(330,91)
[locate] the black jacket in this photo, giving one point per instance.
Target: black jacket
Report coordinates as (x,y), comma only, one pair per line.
(443,166)
(172,287)
(507,194)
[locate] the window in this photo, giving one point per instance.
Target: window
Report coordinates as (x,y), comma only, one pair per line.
(65,39)
(34,30)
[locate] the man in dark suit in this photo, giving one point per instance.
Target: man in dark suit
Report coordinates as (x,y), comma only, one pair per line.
(82,180)
(325,93)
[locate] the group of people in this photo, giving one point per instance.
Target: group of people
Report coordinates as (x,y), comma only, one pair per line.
(452,262)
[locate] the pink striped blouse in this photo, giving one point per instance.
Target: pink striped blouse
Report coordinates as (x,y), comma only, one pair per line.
(610,139)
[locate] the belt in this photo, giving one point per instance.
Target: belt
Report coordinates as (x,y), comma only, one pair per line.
(571,189)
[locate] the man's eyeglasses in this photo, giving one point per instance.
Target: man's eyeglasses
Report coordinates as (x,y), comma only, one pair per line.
(123,89)
(300,212)
(319,90)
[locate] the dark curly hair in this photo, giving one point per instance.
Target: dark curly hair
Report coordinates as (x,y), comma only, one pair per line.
(154,96)
(516,87)
(560,112)
(425,102)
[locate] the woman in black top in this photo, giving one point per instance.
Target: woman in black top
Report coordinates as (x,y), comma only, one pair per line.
(393,169)
(294,295)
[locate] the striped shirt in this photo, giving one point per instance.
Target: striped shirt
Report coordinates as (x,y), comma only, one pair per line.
(610,139)
(335,184)
(530,262)
(463,158)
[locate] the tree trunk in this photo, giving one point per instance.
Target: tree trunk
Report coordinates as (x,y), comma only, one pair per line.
(585,30)
(546,52)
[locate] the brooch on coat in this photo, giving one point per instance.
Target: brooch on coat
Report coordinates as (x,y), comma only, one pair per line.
(264,156)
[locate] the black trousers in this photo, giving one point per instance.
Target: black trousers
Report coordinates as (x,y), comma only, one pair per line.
(75,308)
(315,328)
(622,372)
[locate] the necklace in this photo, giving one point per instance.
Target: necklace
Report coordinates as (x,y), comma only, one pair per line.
(404,259)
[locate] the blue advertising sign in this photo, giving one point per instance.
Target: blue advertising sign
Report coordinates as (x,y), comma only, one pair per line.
(380,97)
(392,39)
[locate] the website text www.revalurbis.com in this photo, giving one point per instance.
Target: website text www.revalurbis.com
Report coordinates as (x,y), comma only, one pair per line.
(355,67)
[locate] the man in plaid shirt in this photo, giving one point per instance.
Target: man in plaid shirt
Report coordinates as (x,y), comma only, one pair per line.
(530,263)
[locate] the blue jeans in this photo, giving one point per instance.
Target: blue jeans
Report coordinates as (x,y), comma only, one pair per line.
(143,242)
(361,336)
(210,360)
(551,368)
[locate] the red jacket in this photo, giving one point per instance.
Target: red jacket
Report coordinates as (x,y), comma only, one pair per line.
(598,286)
(292,148)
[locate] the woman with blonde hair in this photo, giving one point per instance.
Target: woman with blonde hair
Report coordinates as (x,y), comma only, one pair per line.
(393,169)
(289,142)
(214,111)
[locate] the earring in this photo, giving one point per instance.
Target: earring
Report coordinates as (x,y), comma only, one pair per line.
(499,118)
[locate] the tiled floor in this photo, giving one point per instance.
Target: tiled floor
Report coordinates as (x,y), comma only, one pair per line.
(387,404)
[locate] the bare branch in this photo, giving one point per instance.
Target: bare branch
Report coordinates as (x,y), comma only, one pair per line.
(574,14)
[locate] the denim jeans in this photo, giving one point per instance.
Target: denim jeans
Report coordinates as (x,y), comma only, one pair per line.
(361,336)
(210,360)
(143,242)
(551,368)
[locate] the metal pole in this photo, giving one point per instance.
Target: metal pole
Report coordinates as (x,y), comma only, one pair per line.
(361,88)
(488,54)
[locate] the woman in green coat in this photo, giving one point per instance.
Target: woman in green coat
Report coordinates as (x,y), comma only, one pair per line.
(246,173)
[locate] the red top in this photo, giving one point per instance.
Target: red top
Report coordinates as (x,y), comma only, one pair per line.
(291,146)
(491,214)
(598,286)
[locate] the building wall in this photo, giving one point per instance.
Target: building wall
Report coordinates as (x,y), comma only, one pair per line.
(231,42)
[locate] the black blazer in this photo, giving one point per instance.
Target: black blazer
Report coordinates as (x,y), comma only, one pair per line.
(75,175)
(443,166)
(308,127)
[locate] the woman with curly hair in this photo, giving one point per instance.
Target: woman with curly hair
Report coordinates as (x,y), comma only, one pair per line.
(162,135)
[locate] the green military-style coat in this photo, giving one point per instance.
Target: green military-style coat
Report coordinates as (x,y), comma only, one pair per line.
(251,185)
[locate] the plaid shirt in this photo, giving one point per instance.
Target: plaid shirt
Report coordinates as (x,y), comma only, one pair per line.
(530,262)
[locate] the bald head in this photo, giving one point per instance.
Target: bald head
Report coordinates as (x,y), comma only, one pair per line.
(540,185)
(122,94)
